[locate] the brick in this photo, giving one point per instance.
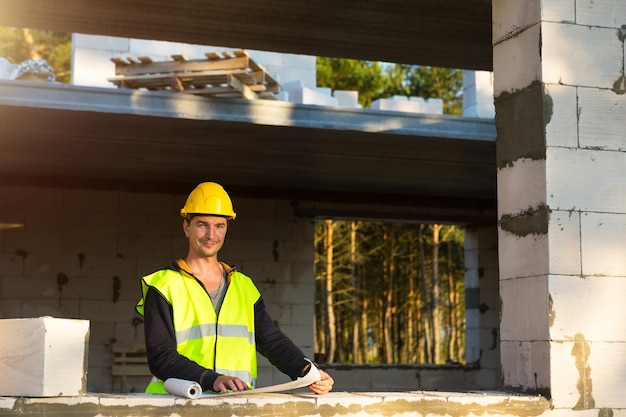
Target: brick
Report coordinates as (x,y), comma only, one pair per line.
(32,198)
(11,264)
(51,220)
(558,10)
(48,357)
(526,365)
(74,199)
(511,15)
(303,314)
(28,287)
(302,272)
(51,265)
(141,47)
(527,298)
(580,63)
(610,14)
(159,225)
(560,129)
(564,244)
(150,203)
(32,242)
(98,266)
(295,294)
(601,120)
(574,299)
(586,180)
(523,256)
(268,272)
(38,307)
(100,67)
(517,60)
(109,222)
(603,243)
(107,311)
(264,230)
(108,43)
(521,186)
(254,209)
(133,245)
(76,241)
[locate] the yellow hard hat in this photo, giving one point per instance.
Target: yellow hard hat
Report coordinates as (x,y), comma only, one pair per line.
(208,198)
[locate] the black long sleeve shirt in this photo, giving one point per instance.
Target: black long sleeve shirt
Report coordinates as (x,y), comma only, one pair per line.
(165,361)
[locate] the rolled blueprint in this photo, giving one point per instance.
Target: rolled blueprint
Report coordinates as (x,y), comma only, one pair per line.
(183,388)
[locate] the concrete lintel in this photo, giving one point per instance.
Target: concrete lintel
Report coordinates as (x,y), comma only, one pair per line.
(389,404)
(264,112)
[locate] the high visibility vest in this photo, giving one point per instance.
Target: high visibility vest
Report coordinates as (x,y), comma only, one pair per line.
(224,342)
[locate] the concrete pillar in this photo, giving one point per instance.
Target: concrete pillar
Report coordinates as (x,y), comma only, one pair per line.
(561,152)
(482,305)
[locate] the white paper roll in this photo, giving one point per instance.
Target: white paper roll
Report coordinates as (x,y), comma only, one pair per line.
(183,388)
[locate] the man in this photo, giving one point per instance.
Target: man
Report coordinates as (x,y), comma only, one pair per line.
(204,321)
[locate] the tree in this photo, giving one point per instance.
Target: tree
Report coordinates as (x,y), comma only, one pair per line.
(428,82)
(394,295)
(20,44)
(366,77)
(374,80)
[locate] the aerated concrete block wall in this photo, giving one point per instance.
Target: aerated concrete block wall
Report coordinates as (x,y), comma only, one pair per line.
(73,253)
(561,149)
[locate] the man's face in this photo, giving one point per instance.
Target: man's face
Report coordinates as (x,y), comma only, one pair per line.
(206,234)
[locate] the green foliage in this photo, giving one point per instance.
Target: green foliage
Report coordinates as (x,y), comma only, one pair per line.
(366,77)
(18,45)
(373,81)
(390,268)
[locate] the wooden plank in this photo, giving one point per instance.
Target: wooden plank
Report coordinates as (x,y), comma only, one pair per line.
(179,58)
(188,66)
(145,59)
(242,88)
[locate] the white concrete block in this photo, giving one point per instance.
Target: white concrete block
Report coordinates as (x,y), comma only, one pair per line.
(608,372)
(564,243)
(307,95)
(522,256)
(575,303)
(587,180)
(525,309)
(511,16)
(561,130)
(603,242)
(580,55)
(601,121)
(521,186)
(517,61)
(43,357)
(347,98)
(558,10)
(588,373)
(432,106)
(392,104)
(526,364)
(610,13)
(563,375)
(157,50)
(92,67)
(103,43)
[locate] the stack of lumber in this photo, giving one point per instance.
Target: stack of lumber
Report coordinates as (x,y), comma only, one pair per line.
(219,75)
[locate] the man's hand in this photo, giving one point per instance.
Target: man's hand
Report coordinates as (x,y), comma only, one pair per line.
(224,383)
(324,385)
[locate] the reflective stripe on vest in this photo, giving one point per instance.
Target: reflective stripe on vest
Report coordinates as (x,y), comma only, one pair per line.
(226,343)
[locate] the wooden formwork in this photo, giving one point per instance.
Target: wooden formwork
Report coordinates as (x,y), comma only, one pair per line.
(219,75)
